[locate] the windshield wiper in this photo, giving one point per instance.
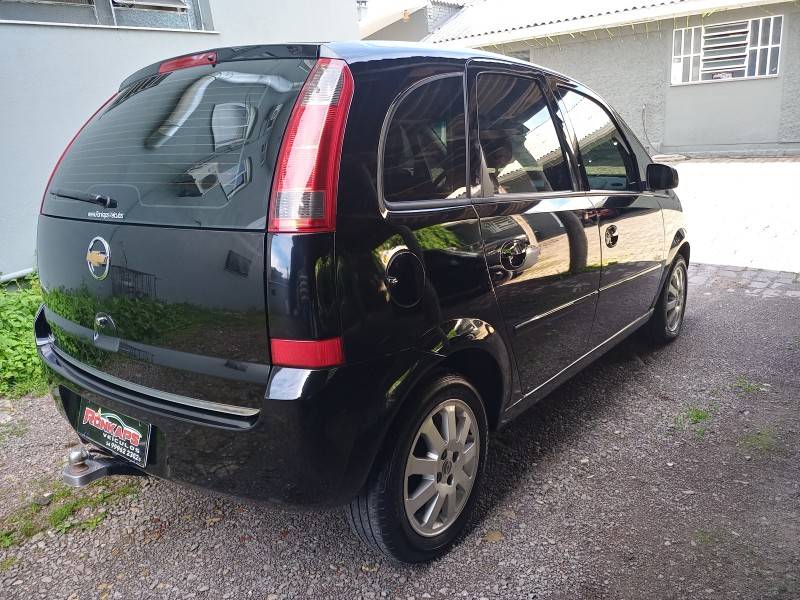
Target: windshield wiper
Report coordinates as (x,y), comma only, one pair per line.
(106,201)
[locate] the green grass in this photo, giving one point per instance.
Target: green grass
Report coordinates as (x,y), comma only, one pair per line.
(22,372)
(697,415)
(6,539)
(743,385)
(9,430)
(68,510)
(7,563)
(692,417)
(762,440)
(705,538)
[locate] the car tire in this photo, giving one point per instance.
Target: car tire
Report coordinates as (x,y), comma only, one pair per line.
(667,321)
(385,514)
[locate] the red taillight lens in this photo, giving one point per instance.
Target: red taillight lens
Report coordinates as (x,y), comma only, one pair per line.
(307,354)
(72,141)
(184,62)
(307,172)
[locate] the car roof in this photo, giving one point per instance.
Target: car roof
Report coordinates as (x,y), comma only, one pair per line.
(368,50)
(350,51)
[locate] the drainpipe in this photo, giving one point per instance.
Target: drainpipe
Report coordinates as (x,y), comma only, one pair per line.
(16,275)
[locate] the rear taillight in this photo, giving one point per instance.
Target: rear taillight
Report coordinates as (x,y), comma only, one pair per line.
(184,62)
(307,354)
(72,141)
(303,195)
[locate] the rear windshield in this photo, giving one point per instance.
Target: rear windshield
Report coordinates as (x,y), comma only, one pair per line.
(195,147)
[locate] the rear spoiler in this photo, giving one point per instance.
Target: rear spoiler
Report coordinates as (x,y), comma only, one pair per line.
(235,53)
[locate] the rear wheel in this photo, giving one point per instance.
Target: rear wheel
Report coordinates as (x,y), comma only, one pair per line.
(420,497)
(667,320)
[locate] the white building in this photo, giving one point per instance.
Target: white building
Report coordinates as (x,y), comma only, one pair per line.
(63,58)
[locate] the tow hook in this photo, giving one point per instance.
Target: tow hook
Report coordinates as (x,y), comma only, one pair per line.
(84,467)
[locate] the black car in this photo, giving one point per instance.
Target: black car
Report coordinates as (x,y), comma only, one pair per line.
(321,274)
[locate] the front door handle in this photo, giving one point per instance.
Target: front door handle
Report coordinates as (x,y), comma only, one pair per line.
(612,236)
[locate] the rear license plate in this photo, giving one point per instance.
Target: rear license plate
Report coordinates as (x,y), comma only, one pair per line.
(116,432)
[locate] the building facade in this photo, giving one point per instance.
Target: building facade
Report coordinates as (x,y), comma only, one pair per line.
(64,58)
(678,96)
(406,20)
(692,77)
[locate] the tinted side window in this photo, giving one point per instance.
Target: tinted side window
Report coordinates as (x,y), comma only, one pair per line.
(642,157)
(521,149)
(424,156)
(604,155)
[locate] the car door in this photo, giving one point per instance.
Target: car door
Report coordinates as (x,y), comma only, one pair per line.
(630,219)
(540,235)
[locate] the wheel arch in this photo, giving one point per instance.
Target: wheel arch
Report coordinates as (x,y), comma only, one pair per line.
(475,350)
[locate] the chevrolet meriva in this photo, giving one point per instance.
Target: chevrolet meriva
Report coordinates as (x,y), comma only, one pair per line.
(322,274)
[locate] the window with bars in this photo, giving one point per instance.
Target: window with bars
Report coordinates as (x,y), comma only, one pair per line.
(171,14)
(738,50)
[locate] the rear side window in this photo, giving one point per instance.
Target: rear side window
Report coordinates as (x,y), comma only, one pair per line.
(521,151)
(604,153)
(195,147)
(424,155)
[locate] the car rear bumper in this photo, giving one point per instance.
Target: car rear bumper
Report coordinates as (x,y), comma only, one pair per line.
(312,443)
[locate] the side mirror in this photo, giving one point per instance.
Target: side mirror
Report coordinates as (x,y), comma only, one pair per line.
(661,177)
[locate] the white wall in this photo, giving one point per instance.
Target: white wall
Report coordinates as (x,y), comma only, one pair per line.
(53,77)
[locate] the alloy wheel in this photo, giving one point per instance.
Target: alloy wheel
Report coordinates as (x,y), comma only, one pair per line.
(441,467)
(676,298)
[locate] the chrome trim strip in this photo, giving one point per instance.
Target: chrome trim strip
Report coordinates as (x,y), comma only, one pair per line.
(631,277)
(227,409)
(576,361)
(554,310)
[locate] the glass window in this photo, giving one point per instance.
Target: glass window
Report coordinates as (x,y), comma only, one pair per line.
(727,51)
(171,14)
(521,151)
(424,156)
(194,147)
(642,157)
(604,155)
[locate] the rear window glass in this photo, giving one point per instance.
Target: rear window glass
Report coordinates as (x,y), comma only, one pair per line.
(195,147)
(425,153)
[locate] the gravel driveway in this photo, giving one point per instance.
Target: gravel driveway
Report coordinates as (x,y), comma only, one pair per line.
(656,474)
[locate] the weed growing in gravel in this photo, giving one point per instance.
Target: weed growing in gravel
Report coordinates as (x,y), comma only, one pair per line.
(7,563)
(705,538)
(697,415)
(6,539)
(9,430)
(67,510)
(762,440)
(743,385)
(692,416)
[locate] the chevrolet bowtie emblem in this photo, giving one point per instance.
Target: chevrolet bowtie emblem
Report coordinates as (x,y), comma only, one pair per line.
(98,257)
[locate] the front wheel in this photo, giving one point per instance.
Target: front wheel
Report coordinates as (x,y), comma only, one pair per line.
(667,320)
(420,497)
